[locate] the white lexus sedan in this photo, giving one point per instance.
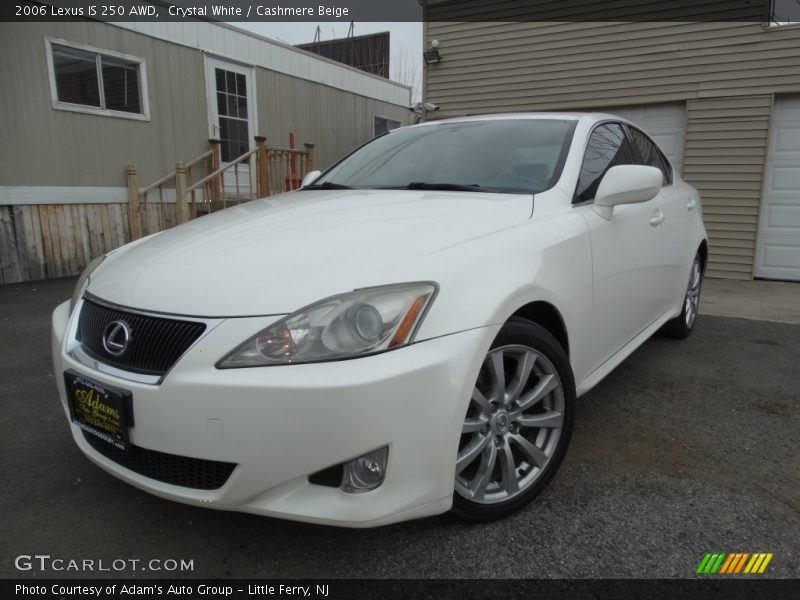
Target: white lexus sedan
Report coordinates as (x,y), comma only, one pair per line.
(404,336)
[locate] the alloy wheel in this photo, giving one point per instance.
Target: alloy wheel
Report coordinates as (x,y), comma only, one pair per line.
(692,300)
(512,427)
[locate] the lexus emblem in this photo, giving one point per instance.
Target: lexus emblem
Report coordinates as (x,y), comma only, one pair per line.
(116,337)
(502,423)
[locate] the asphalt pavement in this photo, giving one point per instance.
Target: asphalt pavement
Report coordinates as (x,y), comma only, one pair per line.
(688,447)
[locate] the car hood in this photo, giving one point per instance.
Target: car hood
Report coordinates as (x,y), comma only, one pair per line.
(276,255)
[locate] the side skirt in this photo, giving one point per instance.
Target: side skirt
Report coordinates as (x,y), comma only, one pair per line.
(612,363)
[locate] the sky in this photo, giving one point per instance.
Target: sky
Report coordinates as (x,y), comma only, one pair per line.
(405,39)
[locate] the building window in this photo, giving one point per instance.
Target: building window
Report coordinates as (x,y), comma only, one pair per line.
(85,79)
(784,12)
(382,125)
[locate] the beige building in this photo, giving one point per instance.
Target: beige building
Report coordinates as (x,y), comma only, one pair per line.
(81,101)
(721,98)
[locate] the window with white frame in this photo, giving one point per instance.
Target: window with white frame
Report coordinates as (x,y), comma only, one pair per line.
(91,80)
(784,12)
(382,125)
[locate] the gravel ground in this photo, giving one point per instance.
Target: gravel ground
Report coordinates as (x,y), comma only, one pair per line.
(688,447)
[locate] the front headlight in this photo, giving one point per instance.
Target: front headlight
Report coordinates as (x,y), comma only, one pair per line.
(358,323)
(83,281)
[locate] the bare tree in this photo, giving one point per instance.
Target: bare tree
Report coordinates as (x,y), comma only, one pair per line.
(406,70)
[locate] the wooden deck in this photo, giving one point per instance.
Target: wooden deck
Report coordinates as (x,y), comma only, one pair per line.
(48,241)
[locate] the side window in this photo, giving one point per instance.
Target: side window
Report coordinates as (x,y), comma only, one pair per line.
(608,147)
(650,154)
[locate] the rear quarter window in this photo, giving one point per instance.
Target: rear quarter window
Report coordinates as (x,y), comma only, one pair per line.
(650,155)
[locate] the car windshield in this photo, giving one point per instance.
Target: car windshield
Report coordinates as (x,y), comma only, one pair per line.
(500,155)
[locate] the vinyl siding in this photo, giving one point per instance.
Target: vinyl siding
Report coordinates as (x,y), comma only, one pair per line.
(729,176)
(725,72)
(581,10)
(56,148)
(500,67)
(246,47)
(335,121)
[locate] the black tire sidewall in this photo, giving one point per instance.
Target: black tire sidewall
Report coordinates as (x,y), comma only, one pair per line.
(523,332)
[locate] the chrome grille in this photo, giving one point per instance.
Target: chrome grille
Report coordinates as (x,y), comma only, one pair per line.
(155,345)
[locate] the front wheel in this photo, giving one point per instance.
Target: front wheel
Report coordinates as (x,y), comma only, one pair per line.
(518,424)
(682,326)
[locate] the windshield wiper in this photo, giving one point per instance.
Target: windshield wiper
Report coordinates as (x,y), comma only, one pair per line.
(454,187)
(328,185)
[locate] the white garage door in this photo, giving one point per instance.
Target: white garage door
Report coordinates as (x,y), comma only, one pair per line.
(665,123)
(778,251)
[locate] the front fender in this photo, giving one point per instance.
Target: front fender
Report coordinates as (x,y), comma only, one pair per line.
(485,281)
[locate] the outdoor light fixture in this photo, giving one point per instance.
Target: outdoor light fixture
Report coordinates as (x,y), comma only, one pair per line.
(432,56)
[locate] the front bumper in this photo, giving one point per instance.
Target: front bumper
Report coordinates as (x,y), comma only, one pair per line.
(281,424)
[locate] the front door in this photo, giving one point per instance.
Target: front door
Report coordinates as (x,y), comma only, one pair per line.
(231,109)
(629,257)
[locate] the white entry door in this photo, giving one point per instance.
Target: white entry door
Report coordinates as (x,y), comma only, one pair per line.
(231,109)
(778,247)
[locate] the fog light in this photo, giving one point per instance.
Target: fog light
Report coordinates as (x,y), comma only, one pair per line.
(366,472)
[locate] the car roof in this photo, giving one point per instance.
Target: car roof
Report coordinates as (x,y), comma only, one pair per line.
(568,116)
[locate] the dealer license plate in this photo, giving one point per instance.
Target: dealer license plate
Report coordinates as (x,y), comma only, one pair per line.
(99,409)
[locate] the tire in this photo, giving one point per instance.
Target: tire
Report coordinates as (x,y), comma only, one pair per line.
(525,421)
(681,327)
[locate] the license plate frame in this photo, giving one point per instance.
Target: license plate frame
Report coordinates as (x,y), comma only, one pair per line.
(102,410)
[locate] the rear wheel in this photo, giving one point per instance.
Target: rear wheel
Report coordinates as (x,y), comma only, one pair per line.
(682,326)
(518,424)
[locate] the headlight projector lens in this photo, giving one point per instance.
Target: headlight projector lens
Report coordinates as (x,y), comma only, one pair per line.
(358,323)
(367,322)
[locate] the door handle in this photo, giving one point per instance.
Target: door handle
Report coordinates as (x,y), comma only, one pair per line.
(657,219)
(691,204)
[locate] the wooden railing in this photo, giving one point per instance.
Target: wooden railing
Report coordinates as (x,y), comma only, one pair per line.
(234,192)
(203,184)
(153,208)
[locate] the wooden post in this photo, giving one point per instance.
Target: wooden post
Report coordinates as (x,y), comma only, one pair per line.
(216,163)
(309,158)
(262,167)
(181,205)
(134,214)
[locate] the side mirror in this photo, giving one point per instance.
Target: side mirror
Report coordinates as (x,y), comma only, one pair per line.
(626,184)
(310,177)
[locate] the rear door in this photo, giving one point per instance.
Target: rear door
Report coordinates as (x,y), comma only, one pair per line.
(674,236)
